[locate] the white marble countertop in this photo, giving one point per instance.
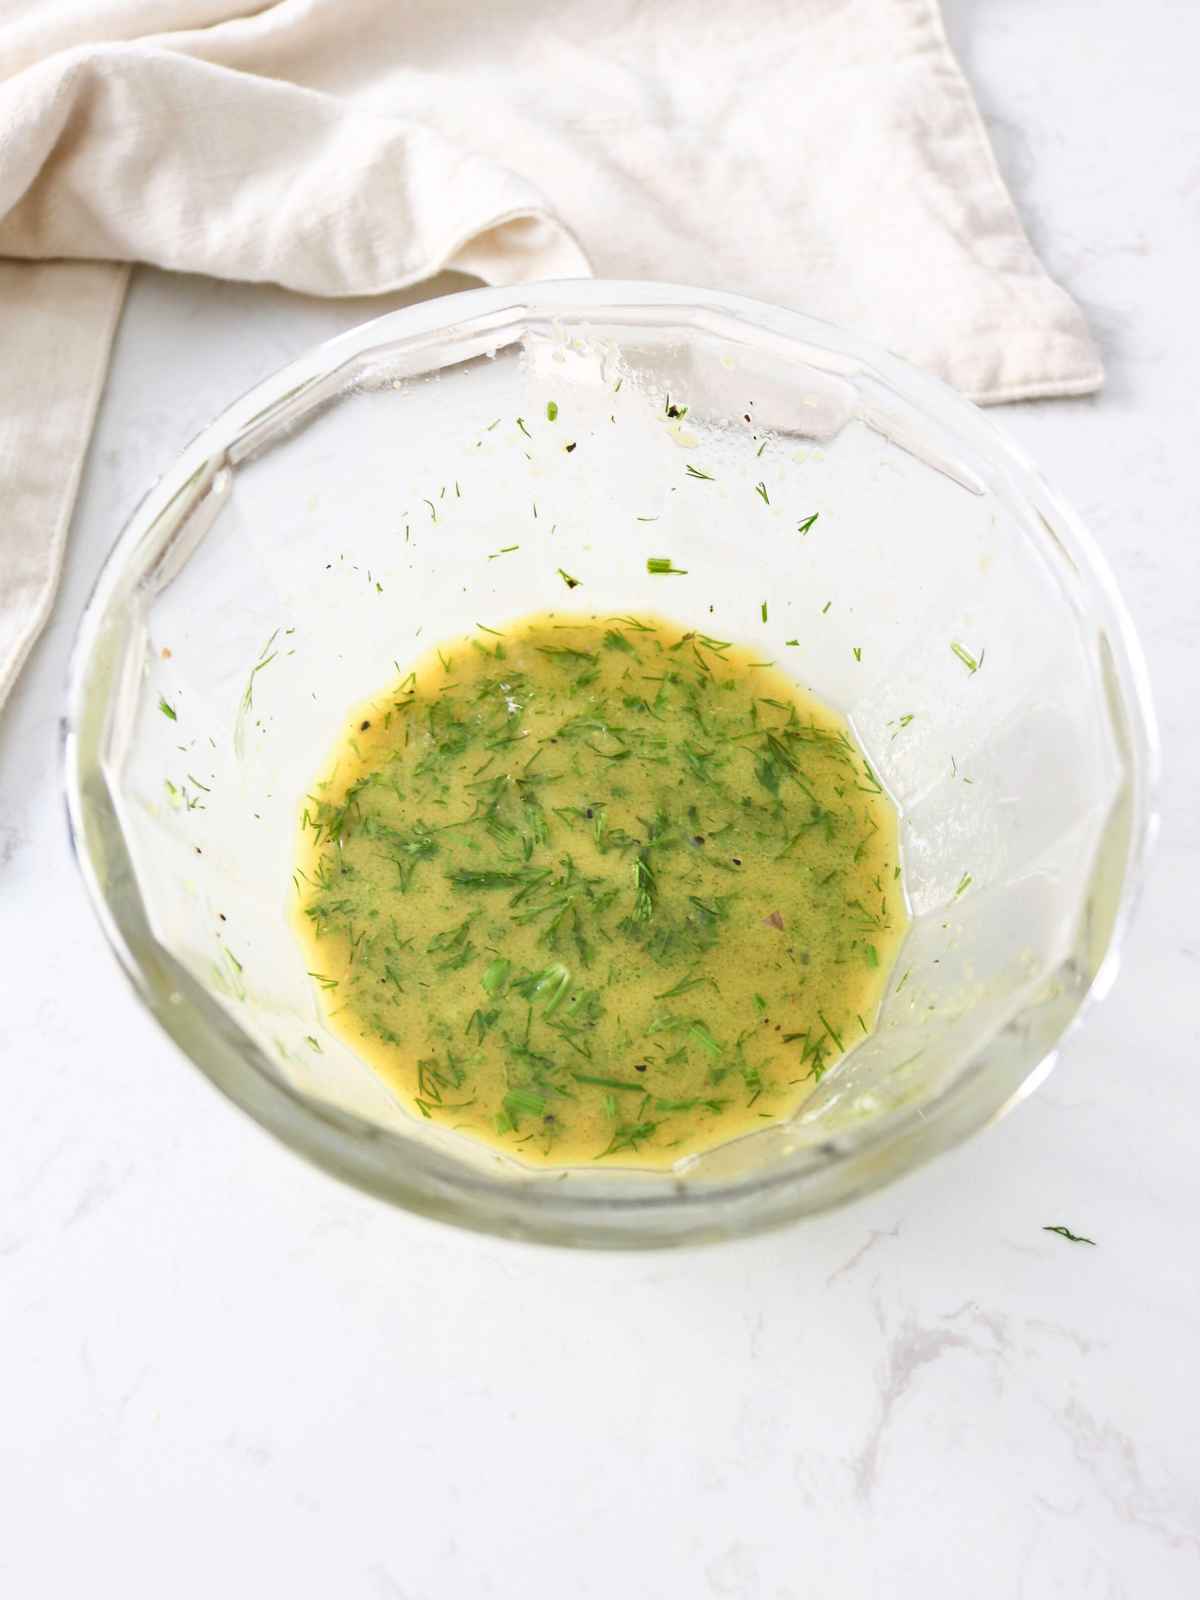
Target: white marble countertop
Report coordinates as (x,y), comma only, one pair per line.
(225,1374)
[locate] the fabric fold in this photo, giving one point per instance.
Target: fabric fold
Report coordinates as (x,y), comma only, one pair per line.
(254,179)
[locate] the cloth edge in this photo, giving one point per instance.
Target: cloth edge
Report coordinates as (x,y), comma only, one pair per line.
(10,668)
(1085,373)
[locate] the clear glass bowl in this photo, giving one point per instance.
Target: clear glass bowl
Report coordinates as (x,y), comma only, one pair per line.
(347,514)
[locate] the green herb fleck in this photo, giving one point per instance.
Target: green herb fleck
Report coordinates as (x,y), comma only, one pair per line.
(965,656)
(803,527)
(1065,1233)
(551,410)
(265,658)
(760,489)
(549,984)
(682,987)
(830,1030)
(628,1137)
(523,1102)
(167,710)
(695,472)
(643,888)
(495,975)
(607,1083)
(571,583)
(614,639)
(661,566)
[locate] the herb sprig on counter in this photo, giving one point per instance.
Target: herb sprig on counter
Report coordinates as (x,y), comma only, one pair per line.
(1065,1233)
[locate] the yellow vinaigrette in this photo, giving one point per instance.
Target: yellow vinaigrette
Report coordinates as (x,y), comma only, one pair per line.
(599,890)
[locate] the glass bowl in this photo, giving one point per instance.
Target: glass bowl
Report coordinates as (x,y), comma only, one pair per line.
(350,512)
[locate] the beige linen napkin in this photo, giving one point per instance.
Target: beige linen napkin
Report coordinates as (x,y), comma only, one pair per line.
(824,154)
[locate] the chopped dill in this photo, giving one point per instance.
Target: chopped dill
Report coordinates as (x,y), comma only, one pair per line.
(167,710)
(604,1082)
(593,889)
(1065,1233)
(965,656)
(629,1136)
(661,566)
(643,888)
(571,583)
(695,472)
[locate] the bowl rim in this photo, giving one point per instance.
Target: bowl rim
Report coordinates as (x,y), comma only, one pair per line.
(425,1181)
